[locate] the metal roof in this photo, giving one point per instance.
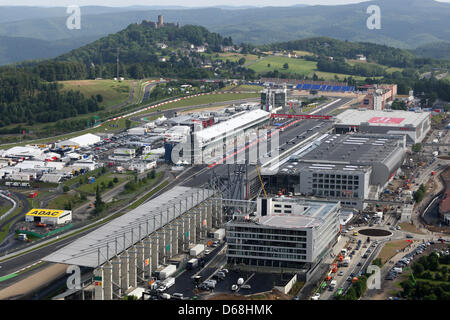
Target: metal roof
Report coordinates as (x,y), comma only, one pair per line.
(230,126)
(394,118)
(102,244)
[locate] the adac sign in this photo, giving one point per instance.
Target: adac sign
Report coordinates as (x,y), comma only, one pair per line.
(45,213)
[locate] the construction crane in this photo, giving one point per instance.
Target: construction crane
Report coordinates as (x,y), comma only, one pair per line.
(260,179)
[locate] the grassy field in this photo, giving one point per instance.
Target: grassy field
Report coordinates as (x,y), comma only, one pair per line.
(298,66)
(232,56)
(60,201)
(409,228)
(243,87)
(91,188)
(4,209)
(113,92)
(386,68)
(391,249)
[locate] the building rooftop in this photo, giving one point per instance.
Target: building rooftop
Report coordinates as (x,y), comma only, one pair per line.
(312,214)
(381,117)
(102,244)
(345,152)
(231,125)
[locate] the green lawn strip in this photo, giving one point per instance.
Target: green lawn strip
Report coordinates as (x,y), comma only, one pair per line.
(9,276)
(116,215)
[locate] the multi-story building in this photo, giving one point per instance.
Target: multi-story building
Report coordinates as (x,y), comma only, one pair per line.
(378,96)
(284,233)
(349,168)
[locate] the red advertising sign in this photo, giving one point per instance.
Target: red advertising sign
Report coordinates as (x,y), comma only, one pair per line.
(386,120)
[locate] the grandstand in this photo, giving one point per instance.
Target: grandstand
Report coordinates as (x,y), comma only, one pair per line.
(324,87)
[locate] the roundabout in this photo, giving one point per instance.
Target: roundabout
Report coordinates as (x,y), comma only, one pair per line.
(375,232)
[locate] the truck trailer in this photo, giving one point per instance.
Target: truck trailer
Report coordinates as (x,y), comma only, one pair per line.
(195,251)
(167,271)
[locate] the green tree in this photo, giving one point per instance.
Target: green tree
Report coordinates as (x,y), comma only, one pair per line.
(99,204)
(66,189)
(115,180)
(417,147)
(110,184)
(286,66)
(128,123)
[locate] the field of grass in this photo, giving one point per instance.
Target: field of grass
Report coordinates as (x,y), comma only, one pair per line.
(91,188)
(340,76)
(4,209)
(391,249)
(59,202)
(243,87)
(298,66)
(232,56)
(113,92)
(408,227)
(303,53)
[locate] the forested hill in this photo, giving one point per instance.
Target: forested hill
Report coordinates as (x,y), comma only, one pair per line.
(140,53)
(328,47)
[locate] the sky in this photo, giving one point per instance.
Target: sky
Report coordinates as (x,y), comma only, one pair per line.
(185,3)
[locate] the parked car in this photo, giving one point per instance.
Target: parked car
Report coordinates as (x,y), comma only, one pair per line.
(316,296)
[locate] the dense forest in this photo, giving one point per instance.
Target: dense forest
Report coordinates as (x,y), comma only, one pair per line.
(139,54)
(25,98)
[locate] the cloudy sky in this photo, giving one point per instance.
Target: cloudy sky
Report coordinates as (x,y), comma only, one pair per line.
(190,3)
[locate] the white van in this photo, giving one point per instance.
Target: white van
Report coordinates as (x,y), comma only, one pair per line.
(165,296)
(398,270)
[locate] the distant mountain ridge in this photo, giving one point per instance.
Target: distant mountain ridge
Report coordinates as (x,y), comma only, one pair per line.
(406,24)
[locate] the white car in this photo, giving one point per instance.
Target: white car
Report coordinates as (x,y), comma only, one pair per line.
(316,296)
(351,228)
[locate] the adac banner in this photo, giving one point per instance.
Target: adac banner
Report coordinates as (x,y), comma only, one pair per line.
(45,213)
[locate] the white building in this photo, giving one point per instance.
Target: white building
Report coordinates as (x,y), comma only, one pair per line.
(137,131)
(85,140)
(284,233)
